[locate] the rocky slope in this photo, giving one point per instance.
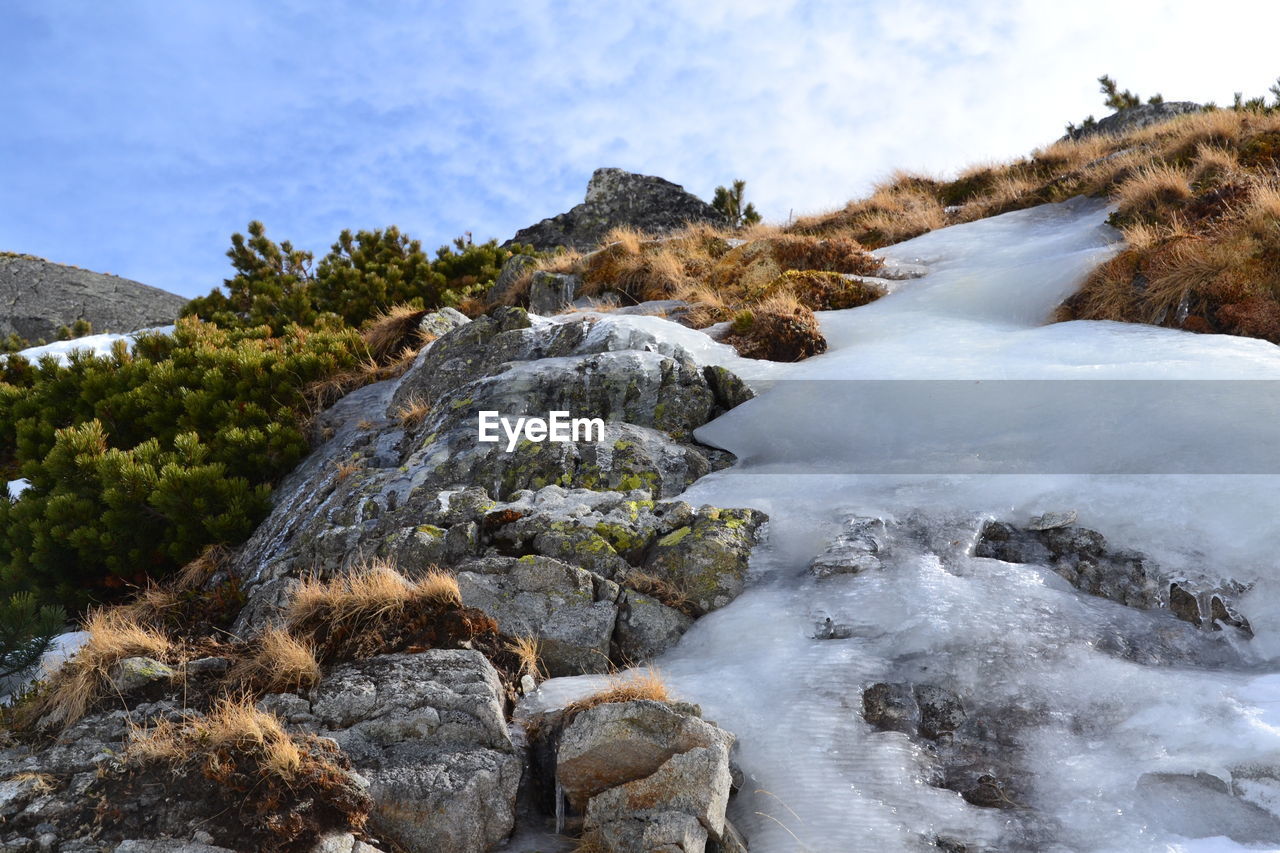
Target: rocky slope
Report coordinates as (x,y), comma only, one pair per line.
(584,545)
(37,297)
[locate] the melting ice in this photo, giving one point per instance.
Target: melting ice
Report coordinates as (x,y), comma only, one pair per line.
(1172,745)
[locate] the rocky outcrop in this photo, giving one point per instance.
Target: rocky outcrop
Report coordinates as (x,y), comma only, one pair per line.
(428,491)
(1083,557)
(615,197)
(427,731)
(37,297)
(638,775)
(582,546)
(1133,118)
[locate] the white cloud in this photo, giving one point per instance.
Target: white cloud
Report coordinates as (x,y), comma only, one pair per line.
(149,131)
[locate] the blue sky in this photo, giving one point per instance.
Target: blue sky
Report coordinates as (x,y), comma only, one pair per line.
(139,134)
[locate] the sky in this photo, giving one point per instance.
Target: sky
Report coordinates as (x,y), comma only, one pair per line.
(137,135)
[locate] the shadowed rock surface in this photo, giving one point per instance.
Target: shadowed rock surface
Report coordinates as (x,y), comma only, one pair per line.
(37,297)
(1133,118)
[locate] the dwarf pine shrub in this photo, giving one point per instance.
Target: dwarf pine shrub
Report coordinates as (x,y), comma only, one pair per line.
(364,273)
(139,460)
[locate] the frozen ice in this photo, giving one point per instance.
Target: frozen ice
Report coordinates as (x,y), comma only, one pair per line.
(1135,730)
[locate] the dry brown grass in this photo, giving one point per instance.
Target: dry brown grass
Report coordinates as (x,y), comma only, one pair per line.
(323,393)
(1214,165)
(392,331)
(528,651)
(413,412)
(1151,193)
(373,591)
(657,588)
(113,636)
(343,470)
(625,687)
(233,724)
(897,210)
(279,663)
(778,328)
(197,573)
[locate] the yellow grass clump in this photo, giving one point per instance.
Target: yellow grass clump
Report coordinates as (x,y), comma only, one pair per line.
(279,663)
(630,687)
(234,724)
(113,636)
(373,591)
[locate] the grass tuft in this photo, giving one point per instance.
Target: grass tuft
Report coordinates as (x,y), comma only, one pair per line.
(113,636)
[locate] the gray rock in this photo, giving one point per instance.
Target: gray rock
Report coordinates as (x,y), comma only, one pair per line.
(40,296)
(443,322)
(707,559)
(1137,117)
(637,815)
(615,743)
(207,666)
(457,801)
(658,832)
(1053,520)
(551,293)
(941,711)
(452,697)
(1083,557)
(428,733)
(569,609)
(136,673)
(501,292)
(438,475)
(891,707)
(616,197)
(646,628)
(16,793)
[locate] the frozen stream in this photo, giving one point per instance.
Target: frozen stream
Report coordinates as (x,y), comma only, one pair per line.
(1131,730)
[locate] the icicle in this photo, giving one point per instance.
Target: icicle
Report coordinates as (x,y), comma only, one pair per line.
(559,808)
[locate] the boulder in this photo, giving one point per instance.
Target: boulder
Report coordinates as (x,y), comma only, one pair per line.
(428,733)
(1084,558)
(615,198)
(444,321)
(678,806)
(570,610)
(40,296)
(619,742)
(647,776)
(707,558)
(650,394)
(502,291)
(551,293)
(135,673)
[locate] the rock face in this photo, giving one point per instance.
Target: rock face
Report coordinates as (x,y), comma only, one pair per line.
(615,197)
(37,297)
(1133,118)
(430,492)
(428,732)
(641,776)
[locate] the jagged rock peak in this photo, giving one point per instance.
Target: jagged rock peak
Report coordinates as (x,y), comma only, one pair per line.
(617,197)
